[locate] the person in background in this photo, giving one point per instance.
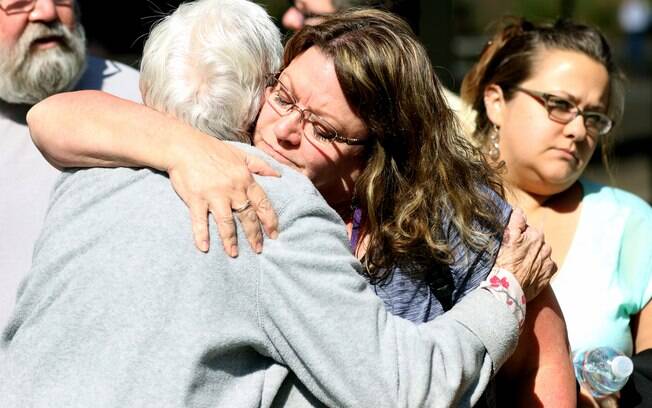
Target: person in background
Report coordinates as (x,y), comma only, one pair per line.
(311,12)
(546,95)
(121,310)
(42,52)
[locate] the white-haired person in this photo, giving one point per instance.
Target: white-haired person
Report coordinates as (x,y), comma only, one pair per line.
(42,52)
(212,77)
(121,310)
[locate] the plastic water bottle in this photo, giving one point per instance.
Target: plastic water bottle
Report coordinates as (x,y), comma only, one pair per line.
(602,371)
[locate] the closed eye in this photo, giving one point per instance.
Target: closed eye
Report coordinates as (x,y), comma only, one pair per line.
(282,99)
(322,133)
(561,104)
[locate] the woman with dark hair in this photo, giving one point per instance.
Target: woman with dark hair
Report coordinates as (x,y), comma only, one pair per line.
(545,96)
(357,109)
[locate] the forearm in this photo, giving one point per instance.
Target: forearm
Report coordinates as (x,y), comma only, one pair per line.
(388,362)
(335,335)
(92,128)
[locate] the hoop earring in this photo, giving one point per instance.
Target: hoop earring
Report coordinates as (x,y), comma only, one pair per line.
(494,147)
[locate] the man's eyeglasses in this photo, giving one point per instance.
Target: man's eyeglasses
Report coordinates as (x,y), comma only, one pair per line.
(314,127)
(564,111)
(26,6)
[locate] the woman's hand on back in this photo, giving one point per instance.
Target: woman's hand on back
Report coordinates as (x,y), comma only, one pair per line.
(212,176)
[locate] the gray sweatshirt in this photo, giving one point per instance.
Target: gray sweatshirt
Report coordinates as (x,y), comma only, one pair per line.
(120,310)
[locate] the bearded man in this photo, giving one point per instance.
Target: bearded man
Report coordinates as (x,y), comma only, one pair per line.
(42,52)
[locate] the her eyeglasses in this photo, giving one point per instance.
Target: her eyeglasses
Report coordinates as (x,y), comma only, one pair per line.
(564,111)
(281,100)
(26,6)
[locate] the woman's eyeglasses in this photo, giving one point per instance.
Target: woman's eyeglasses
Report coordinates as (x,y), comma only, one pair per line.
(564,111)
(314,127)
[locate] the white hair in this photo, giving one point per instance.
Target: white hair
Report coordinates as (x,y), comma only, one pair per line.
(207,64)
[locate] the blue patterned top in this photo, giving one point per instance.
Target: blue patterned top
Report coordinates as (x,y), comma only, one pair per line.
(408,294)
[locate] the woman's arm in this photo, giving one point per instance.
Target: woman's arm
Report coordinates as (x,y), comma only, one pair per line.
(642,329)
(92,128)
(539,373)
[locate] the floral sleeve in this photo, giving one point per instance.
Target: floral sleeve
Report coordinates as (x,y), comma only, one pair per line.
(504,286)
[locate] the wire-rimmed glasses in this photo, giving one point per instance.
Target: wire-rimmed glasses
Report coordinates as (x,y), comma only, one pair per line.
(281,100)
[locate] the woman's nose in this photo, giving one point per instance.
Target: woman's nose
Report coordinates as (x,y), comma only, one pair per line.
(576,128)
(44,11)
(289,128)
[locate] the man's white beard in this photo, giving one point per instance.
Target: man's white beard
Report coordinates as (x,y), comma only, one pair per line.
(29,76)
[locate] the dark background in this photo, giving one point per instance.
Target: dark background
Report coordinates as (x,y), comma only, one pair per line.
(119,32)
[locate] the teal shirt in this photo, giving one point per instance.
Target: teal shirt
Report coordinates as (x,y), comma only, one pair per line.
(606,277)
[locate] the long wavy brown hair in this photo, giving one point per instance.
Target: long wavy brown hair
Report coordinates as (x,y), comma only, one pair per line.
(510,57)
(422,175)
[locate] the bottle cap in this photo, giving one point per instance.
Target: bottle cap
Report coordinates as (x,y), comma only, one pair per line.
(622,366)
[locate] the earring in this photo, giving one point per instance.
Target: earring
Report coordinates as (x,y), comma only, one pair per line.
(494,148)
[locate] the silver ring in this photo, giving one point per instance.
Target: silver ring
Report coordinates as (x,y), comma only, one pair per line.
(242,207)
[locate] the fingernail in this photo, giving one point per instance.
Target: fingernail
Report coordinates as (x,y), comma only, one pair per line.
(234,251)
(204,246)
(273,234)
(259,247)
